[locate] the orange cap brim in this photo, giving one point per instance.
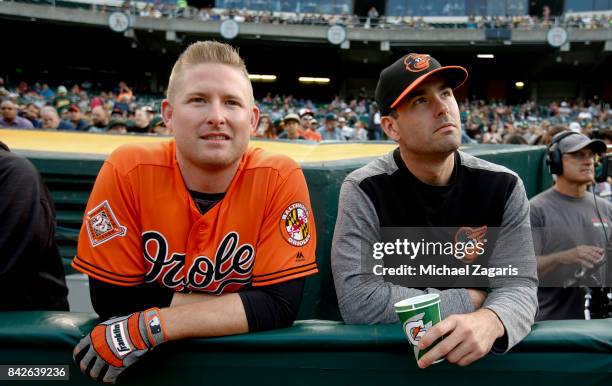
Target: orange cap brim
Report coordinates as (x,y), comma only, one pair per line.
(421,79)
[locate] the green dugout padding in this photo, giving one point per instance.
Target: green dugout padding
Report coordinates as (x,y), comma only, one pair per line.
(70,179)
(322,353)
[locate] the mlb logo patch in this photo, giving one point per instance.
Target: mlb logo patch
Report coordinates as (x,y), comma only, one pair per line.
(102,225)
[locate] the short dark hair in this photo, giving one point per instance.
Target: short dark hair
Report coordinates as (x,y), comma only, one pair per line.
(515,139)
(606,133)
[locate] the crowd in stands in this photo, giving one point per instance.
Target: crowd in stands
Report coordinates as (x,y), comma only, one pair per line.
(373,19)
(531,123)
(285,117)
(388,22)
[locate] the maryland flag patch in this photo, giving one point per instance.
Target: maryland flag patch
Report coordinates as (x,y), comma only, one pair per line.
(294,225)
(102,225)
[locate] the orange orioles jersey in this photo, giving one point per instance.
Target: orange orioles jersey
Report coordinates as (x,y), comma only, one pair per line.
(142,225)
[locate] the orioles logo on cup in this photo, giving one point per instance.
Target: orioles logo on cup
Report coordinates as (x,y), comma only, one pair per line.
(416,62)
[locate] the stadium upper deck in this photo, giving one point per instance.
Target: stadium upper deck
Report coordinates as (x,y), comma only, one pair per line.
(402,14)
(77,44)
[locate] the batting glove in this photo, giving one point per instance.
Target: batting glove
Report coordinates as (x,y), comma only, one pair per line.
(118,343)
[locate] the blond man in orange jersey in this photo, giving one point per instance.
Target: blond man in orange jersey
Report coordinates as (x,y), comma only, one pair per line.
(195,237)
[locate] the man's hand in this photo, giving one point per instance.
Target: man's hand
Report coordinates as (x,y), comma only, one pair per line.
(586,255)
(477,297)
(468,337)
(118,343)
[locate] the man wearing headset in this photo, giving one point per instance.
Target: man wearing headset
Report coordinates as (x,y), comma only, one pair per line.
(571,227)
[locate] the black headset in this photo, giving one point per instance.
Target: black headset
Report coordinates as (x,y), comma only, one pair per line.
(554,156)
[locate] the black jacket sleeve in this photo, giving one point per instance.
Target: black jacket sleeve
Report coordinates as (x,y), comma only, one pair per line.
(266,308)
(31,269)
(110,300)
(274,306)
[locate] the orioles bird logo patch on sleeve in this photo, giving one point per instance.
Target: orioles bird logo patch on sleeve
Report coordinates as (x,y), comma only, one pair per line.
(102,225)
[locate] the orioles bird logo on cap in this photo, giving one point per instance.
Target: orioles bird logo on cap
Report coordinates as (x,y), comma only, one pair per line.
(416,62)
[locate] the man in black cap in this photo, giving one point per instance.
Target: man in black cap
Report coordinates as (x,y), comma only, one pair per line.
(426,184)
(158,126)
(117,126)
(329,130)
(571,228)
